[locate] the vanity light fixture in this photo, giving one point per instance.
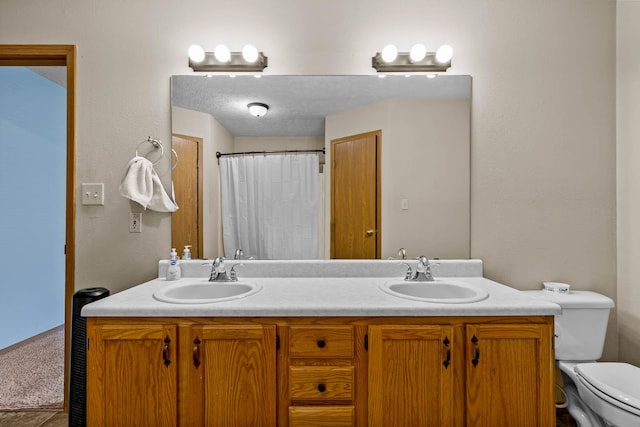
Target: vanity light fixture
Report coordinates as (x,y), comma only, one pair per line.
(223,60)
(258,109)
(416,60)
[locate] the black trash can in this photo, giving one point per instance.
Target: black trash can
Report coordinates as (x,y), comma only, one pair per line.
(77,375)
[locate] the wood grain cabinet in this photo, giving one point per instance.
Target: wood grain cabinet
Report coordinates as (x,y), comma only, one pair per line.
(310,372)
(461,375)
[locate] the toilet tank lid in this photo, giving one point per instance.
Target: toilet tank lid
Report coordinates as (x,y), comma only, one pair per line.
(620,381)
(574,299)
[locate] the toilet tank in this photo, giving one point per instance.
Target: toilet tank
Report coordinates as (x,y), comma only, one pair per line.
(581,327)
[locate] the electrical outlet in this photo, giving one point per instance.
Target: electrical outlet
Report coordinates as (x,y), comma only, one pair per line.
(135,222)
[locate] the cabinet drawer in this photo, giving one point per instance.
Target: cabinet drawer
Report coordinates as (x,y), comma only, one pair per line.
(321,416)
(321,382)
(321,341)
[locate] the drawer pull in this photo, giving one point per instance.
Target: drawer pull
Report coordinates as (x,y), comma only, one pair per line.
(322,388)
(321,344)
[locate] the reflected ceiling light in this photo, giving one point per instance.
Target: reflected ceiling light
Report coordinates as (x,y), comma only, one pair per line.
(258,109)
(417,52)
(389,53)
(196,53)
(250,53)
(444,54)
(417,60)
(223,60)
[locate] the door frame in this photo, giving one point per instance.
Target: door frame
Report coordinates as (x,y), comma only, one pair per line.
(58,55)
(378,136)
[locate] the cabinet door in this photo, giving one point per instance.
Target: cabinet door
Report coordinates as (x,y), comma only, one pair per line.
(509,375)
(132,375)
(411,378)
(233,375)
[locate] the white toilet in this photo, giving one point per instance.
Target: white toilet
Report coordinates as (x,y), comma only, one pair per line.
(597,393)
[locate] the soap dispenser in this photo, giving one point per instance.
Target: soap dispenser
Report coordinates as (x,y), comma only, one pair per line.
(186,253)
(173,271)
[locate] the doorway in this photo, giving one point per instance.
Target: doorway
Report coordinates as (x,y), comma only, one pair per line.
(57,56)
(187,221)
(355,196)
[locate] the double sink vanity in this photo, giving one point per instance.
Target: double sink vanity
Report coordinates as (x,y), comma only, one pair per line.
(321,343)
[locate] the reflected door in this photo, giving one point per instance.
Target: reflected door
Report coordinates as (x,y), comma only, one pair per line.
(186,222)
(355,196)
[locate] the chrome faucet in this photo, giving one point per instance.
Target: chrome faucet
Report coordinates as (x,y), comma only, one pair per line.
(239,254)
(422,273)
(218,271)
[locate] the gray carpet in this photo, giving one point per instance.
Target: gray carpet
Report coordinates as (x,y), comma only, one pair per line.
(32,374)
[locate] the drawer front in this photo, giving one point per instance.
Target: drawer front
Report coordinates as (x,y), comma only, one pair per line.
(321,382)
(321,341)
(321,416)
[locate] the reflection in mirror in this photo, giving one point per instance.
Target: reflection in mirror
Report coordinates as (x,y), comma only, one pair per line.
(421,160)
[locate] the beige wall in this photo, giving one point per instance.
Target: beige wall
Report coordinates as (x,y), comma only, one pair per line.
(425,159)
(628,135)
(252,143)
(543,112)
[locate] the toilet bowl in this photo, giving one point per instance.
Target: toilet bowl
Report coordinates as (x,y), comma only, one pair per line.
(598,394)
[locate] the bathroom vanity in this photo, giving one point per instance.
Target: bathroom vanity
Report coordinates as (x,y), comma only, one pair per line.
(321,344)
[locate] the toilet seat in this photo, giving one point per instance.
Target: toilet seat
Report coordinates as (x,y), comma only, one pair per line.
(616,383)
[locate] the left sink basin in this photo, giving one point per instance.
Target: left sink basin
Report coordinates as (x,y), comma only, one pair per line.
(201,291)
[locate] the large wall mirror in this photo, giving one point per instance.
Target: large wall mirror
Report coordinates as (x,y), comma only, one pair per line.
(424,151)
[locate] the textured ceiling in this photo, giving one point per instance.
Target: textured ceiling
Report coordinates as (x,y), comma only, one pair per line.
(299,104)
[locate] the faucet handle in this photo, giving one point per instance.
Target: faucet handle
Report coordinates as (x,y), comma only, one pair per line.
(233,276)
(409,274)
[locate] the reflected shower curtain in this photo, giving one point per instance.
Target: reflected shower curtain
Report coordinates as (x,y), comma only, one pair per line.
(270,205)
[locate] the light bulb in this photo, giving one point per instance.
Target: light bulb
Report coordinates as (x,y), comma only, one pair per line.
(444,54)
(250,53)
(222,53)
(389,53)
(417,52)
(258,109)
(196,53)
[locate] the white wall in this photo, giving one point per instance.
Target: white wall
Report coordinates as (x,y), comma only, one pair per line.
(543,112)
(628,133)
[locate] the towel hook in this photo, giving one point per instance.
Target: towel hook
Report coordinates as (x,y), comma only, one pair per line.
(156,143)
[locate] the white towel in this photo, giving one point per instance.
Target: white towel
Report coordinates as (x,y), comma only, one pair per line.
(142,184)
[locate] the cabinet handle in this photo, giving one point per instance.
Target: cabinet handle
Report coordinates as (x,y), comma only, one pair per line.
(476,348)
(165,351)
(321,343)
(322,388)
(447,348)
(196,352)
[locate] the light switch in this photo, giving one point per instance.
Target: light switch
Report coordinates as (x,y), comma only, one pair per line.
(93,194)
(404,204)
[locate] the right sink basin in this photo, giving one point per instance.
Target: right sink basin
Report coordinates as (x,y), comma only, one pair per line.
(440,291)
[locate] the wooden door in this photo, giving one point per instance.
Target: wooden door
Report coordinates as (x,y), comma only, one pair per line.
(132,375)
(411,376)
(355,196)
(233,376)
(509,375)
(186,222)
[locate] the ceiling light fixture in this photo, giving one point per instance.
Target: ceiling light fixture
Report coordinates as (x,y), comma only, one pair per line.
(416,60)
(223,60)
(258,109)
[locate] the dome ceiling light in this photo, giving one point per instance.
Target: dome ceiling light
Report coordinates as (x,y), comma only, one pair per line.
(257,109)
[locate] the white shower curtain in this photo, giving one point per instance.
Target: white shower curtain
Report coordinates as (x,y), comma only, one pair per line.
(270,205)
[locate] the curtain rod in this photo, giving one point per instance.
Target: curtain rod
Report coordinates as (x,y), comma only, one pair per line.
(248,153)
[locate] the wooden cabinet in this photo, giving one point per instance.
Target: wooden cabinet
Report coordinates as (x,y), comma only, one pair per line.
(132,375)
(331,372)
(411,378)
(461,375)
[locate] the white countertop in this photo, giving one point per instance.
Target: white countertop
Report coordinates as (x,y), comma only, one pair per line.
(323,296)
